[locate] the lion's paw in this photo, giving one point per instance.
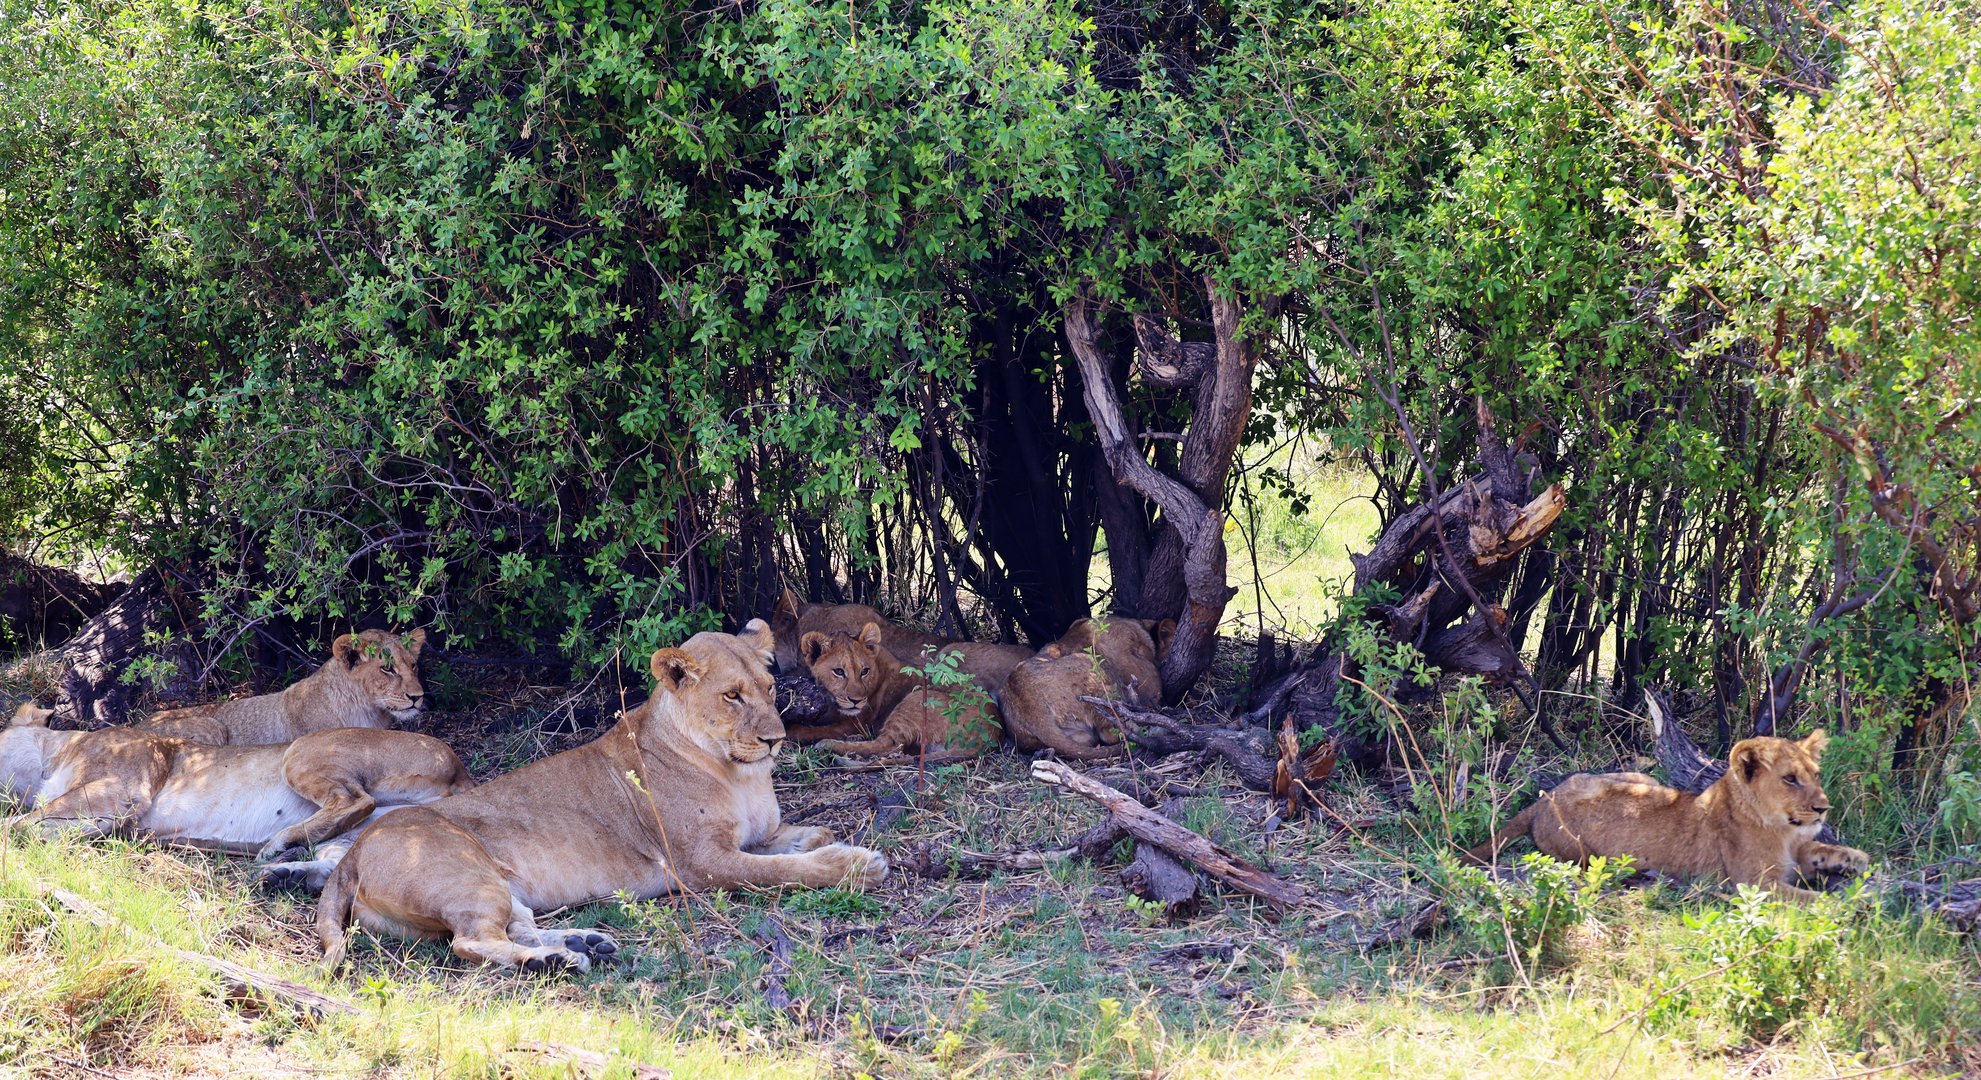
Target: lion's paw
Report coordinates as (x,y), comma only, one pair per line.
(1845,861)
(550,959)
(596,946)
(284,876)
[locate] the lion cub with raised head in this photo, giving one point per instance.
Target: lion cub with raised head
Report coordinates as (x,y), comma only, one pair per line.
(265,799)
(675,796)
(1756,825)
(371,680)
(875,690)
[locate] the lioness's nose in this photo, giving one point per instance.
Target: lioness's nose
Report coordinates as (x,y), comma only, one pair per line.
(416,699)
(1823,809)
(771,741)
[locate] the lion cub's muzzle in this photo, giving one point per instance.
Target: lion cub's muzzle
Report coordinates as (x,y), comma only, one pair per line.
(849,706)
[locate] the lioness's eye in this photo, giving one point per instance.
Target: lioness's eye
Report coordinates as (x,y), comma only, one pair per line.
(733,695)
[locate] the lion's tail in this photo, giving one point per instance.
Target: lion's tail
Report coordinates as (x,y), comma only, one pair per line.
(333,912)
(1522,823)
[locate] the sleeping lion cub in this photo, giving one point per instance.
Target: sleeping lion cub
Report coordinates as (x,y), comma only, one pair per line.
(1756,825)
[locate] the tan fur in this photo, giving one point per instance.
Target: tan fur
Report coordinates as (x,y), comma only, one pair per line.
(124,781)
(1128,652)
(888,705)
(1043,710)
(793,619)
(370,680)
(1755,826)
(988,662)
(676,796)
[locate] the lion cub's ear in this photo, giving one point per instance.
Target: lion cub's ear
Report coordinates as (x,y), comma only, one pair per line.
(812,646)
(1747,758)
(674,669)
(870,636)
(414,642)
(756,635)
(787,603)
(1052,652)
(31,715)
(1815,742)
(346,650)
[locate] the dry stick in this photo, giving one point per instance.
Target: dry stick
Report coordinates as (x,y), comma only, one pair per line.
(770,933)
(589,1060)
(241,981)
(1150,827)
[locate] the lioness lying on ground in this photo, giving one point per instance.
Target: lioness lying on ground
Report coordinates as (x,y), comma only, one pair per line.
(676,796)
(793,619)
(370,680)
(267,799)
(875,689)
(1756,825)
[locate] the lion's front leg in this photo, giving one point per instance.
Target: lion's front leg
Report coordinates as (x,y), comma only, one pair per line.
(820,868)
(792,840)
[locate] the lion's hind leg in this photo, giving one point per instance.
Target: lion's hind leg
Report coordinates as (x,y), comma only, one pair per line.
(415,874)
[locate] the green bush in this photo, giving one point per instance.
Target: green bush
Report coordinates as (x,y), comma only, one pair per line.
(1526,916)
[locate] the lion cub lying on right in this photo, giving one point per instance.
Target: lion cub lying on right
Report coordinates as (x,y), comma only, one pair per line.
(1754,826)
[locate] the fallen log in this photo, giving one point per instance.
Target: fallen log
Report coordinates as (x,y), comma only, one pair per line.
(241,981)
(1150,827)
(802,701)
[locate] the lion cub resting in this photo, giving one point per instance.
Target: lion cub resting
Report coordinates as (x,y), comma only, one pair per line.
(1112,658)
(871,685)
(271,798)
(370,680)
(1756,825)
(676,796)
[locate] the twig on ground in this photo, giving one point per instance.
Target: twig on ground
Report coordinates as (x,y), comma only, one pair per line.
(1150,827)
(241,981)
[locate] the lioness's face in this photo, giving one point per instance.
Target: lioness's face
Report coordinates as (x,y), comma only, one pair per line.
(386,668)
(1786,778)
(723,681)
(849,668)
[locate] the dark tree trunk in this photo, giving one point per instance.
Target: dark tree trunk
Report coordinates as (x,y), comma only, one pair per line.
(1186,573)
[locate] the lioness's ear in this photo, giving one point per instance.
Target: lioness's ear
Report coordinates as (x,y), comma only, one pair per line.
(1815,742)
(870,636)
(1164,633)
(674,669)
(756,635)
(1747,758)
(31,715)
(415,641)
(346,650)
(812,646)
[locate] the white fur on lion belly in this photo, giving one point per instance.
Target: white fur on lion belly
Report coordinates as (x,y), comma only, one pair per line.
(238,798)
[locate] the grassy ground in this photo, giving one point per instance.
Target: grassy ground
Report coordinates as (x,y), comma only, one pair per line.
(1043,972)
